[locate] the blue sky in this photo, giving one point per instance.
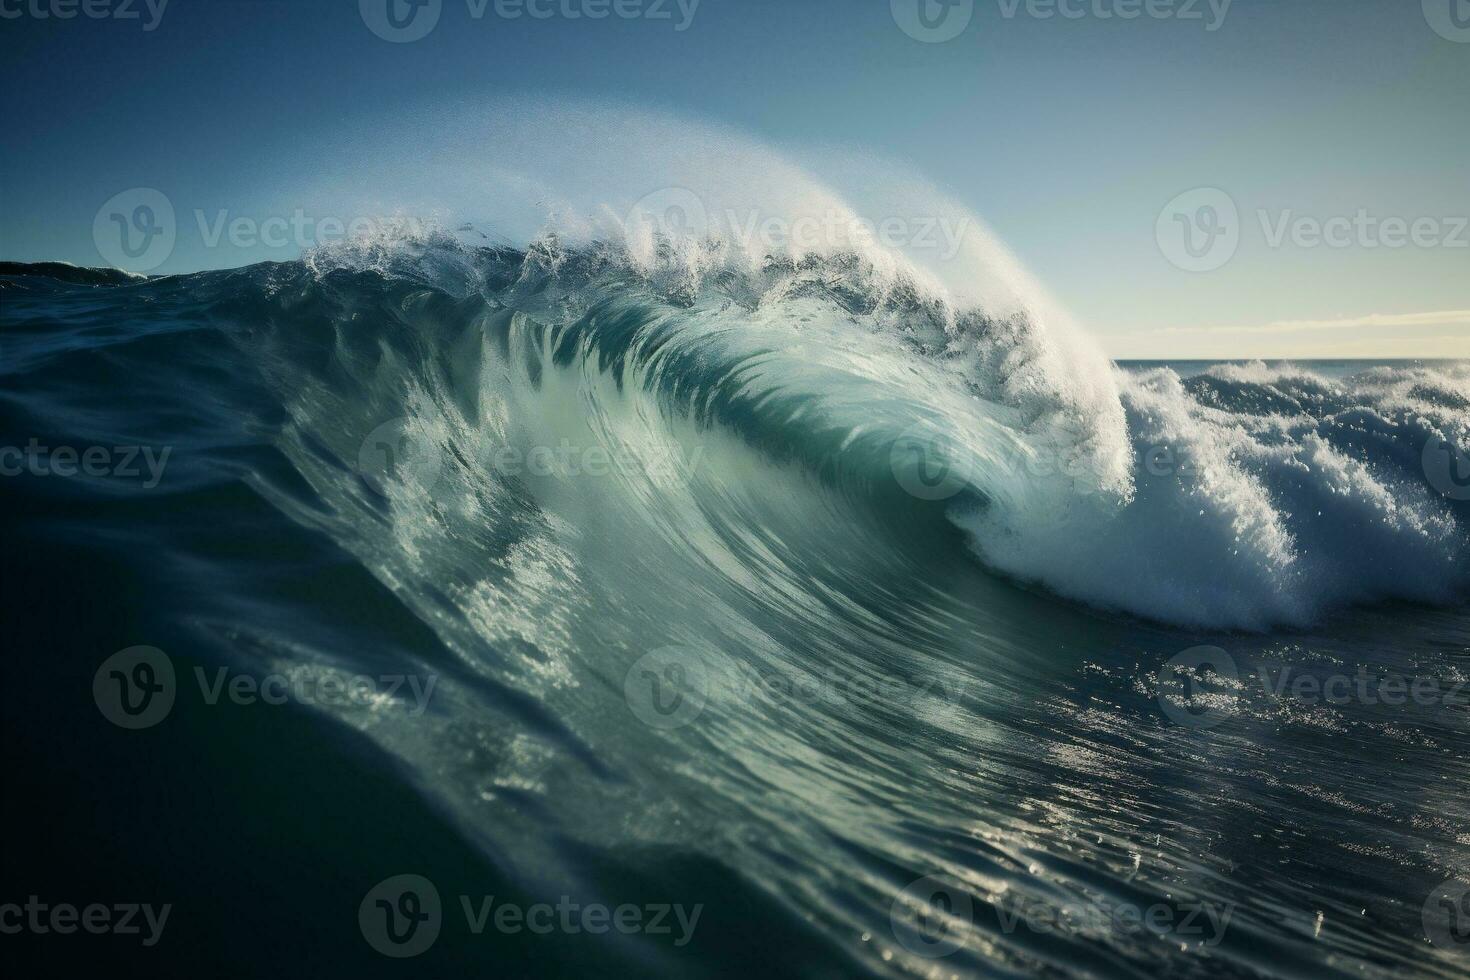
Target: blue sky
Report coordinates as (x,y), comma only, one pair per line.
(1093,143)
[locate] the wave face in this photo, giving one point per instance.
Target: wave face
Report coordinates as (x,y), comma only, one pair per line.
(1246,497)
(923,565)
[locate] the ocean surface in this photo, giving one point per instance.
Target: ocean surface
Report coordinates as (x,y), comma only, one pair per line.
(864,634)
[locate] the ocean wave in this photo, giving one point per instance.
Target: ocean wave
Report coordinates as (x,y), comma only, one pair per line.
(1241,498)
(1246,497)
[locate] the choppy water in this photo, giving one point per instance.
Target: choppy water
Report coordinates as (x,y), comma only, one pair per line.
(864,623)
